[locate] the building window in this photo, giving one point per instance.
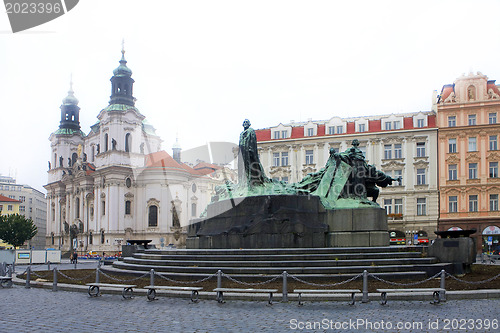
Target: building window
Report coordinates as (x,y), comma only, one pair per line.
(473,203)
(388,126)
(276,159)
(103,207)
(340,129)
(493,142)
(309,157)
(91,238)
(310,132)
(331,130)
(388,206)
(77,208)
(10,208)
(452,172)
(472,170)
(361,127)
(284,134)
(472,144)
(398,151)
(492,118)
(284,159)
(420,149)
(106,142)
(472,119)
(453,204)
(452,145)
(102,236)
(284,180)
(128,207)
(12,196)
(193,209)
(420,176)
(398,174)
(452,121)
(153,216)
(22,198)
(493,169)
(22,208)
(398,206)
(387,152)
(494,202)
(128,142)
(421,206)
(420,123)
(276,134)
(1,208)
(397,124)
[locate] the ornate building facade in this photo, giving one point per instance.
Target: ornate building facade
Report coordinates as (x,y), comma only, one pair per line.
(115,183)
(469,182)
(401,145)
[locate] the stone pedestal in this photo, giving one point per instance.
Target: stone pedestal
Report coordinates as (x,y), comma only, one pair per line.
(286,221)
(357,227)
(459,251)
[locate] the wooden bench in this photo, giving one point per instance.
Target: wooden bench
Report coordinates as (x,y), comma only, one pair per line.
(5,281)
(152,291)
(437,293)
(327,291)
(220,293)
(94,290)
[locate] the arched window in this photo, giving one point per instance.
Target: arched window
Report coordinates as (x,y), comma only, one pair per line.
(153,216)
(128,207)
(106,142)
(128,142)
(77,209)
(193,209)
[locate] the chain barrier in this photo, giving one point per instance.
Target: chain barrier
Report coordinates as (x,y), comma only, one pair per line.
(252,283)
(325,284)
(75,279)
(473,282)
(185,282)
(38,276)
(119,280)
(404,284)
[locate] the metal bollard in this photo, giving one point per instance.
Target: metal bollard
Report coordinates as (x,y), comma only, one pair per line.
(48,265)
(28,277)
(54,282)
(152,277)
(219,279)
(443,285)
(285,287)
(97,275)
(365,287)
(75,264)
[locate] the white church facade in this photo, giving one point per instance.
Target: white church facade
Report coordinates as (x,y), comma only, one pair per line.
(115,183)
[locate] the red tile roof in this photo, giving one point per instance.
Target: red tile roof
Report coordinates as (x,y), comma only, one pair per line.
(162,159)
(3,198)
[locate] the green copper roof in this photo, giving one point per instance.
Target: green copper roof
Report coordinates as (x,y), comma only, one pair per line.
(120,107)
(69,131)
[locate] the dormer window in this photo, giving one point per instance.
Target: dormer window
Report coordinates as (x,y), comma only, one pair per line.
(310,132)
(362,128)
(276,135)
(284,134)
(420,123)
(388,126)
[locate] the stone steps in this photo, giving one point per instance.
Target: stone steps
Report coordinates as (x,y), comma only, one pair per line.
(284,263)
(321,263)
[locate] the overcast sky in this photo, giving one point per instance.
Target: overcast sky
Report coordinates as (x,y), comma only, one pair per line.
(202,67)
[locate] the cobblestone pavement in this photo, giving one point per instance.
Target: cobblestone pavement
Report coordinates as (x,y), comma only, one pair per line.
(41,310)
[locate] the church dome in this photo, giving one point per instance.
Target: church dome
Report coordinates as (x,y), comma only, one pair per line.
(70,99)
(122,70)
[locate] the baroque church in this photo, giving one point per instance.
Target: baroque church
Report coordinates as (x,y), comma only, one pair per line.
(115,183)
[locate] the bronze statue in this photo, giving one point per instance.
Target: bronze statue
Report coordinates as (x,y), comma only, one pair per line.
(250,171)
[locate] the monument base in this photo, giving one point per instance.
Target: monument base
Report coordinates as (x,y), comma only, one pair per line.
(286,221)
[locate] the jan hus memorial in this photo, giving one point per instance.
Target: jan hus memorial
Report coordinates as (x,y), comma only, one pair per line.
(328,208)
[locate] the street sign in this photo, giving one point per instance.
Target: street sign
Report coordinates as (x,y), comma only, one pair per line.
(490,240)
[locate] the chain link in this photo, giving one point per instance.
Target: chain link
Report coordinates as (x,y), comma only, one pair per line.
(39,276)
(252,283)
(473,282)
(75,279)
(404,284)
(185,282)
(325,284)
(119,280)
